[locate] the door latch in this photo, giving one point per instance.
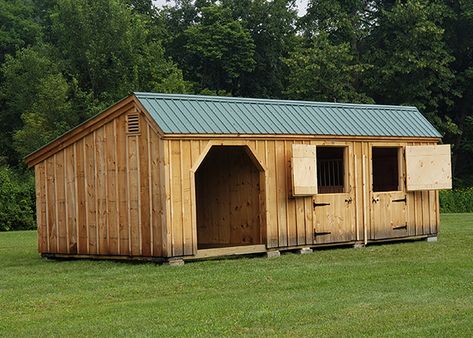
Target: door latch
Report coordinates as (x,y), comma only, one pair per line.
(375,200)
(349,200)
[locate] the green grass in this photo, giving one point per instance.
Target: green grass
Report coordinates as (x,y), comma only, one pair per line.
(414,289)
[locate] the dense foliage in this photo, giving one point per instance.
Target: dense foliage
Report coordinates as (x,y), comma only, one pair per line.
(61,61)
(16,201)
(458,200)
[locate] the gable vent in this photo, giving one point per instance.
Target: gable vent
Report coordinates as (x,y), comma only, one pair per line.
(133,123)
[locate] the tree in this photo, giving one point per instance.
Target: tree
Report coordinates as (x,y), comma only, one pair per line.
(17,200)
(341,27)
(18,29)
(459,39)
(343,21)
(272,28)
(22,77)
(323,71)
(219,50)
(49,116)
(111,50)
(144,7)
(409,57)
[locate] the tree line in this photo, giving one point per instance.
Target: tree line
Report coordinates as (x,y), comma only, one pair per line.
(62,61)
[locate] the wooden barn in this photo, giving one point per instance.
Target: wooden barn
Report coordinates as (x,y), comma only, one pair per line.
(171,177)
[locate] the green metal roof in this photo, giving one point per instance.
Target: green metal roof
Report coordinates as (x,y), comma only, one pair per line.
(193,114)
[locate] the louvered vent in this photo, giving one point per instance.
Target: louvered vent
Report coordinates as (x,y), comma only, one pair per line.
(133,121)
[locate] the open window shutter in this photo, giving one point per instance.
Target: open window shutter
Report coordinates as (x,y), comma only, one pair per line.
(428,167)
(304,170)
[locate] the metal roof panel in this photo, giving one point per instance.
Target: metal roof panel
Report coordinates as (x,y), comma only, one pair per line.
(196,114)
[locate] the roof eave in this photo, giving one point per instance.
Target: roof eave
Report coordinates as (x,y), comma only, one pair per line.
(298,136)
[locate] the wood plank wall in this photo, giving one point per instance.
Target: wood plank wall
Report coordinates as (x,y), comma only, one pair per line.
(111,193)
(289,221)
(102,195)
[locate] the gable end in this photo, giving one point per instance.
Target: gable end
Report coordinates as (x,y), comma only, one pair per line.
(128,105)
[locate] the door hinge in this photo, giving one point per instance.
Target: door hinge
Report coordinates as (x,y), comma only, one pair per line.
(320,204)
(322,233)
(400,200)
(401,227)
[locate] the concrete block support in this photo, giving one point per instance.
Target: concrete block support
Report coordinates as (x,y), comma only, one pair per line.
(432,239)
(304,251)
(174,261)
(272,254)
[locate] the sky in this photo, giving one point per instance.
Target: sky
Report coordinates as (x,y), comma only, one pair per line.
(301,5)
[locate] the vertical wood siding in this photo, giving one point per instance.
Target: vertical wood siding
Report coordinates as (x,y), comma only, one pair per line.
(113,193)
(288,221)
(102,195)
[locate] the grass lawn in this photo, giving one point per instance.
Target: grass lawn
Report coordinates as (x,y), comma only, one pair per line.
(415,289)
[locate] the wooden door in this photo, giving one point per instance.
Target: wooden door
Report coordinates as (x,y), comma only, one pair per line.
(388,197)
(389,215)
(334,218)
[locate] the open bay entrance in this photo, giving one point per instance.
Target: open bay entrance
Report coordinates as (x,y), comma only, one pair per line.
(228,188)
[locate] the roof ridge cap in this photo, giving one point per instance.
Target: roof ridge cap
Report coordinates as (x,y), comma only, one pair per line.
(268,101)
